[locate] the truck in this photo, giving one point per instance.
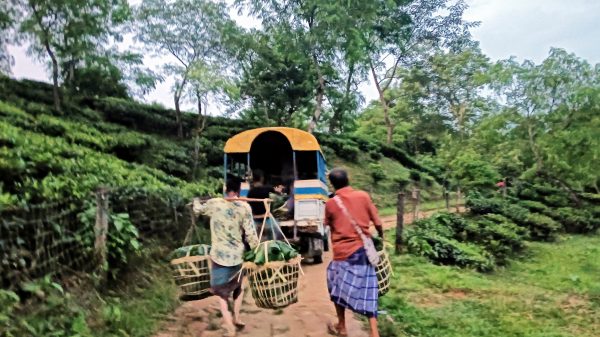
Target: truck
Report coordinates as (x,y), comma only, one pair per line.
(292,158)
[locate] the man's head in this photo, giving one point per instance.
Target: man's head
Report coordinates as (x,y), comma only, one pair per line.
(258,176)
(338,178)
(233,187)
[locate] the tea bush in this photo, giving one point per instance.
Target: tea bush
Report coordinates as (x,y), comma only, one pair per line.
(501,237)
(495,237)
(430,239)
(38,167)
(377,173)
(540,226)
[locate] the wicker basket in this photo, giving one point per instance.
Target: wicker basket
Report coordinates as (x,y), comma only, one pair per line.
(192,276)
(384,272)
(275,284)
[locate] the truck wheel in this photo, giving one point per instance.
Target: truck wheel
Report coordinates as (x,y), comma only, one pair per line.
(318,259)
(325,243)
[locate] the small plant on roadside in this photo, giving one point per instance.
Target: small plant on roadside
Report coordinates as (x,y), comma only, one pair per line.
(122,239)
(50,311)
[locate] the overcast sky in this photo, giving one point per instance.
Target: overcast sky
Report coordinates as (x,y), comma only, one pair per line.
(522,28)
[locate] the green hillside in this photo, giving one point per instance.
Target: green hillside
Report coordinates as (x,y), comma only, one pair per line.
(124,144)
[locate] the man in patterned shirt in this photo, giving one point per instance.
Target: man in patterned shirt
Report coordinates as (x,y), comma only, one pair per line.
(230,223)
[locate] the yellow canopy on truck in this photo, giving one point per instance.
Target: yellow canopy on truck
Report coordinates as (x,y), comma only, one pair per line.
(299,140)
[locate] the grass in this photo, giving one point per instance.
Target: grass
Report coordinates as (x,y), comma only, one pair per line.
(142,301)
(554,291)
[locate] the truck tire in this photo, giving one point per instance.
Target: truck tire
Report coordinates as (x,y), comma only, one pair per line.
(325,243)
(318,259)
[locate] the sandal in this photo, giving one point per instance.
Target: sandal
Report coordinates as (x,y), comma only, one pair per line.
(334,330)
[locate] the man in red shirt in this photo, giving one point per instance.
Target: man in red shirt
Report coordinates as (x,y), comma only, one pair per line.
(351,279)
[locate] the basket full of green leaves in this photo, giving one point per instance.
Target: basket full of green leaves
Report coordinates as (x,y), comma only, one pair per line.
(384,267)
(273,270)
(191,271)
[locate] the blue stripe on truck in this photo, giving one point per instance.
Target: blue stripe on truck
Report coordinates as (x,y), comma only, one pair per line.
(309,190)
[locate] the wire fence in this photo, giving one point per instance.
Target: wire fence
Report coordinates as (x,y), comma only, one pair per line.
(53,237)
(43,238)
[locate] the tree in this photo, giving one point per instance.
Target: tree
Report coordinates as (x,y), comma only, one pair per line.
(544,125)
(9,11)
(67,32)
(455,81)
(399,34)
(191,31)
(278,77)
(319,27)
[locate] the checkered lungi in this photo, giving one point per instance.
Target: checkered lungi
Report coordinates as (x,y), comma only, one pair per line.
(352,283)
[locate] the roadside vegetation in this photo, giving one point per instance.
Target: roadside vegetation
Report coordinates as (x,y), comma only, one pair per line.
(551,290)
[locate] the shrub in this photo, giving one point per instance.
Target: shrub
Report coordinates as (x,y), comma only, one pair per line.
(348,152)
(542,227)
(576,220)
(479,205)
(343,147)
(377,173)
(557,200)
(414,175)
(473,172)
(364,144)
(444,250)
(535,206)
(501,237)
(37,167)
(56,312)
(436,239)
(375,155)
(593,198)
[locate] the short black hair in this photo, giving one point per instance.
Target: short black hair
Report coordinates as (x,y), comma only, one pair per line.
(233,185)
(257,175)
(338,178)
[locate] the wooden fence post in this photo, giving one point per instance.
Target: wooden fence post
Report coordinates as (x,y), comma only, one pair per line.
(101,228)
(399,222)
(416,200)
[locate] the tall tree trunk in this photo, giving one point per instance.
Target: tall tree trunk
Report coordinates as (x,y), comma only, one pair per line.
(178,115)
(55,87)
(46,40)
(177,98)
(386,113)
(459,111)
(320,92)
(338,113)
(201,122)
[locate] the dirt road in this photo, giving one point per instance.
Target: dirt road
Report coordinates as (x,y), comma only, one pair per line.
(390,220)
(307,318)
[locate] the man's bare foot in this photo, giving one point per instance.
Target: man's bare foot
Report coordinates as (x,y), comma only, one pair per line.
(239,325)
(336,329)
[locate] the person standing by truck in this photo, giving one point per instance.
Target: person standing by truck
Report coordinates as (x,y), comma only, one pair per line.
(261,191)
(351,279)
